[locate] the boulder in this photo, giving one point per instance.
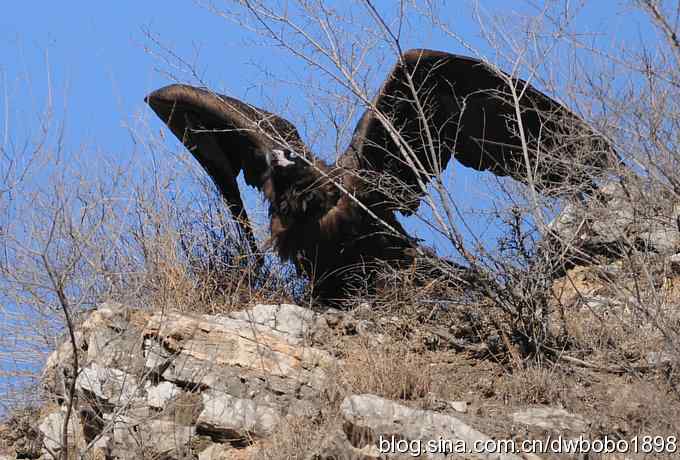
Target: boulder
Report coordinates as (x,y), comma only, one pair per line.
(52,428)
(622,216)
(161,381)
(550,418)
(109,384)
(160,395)
(228,418)
(132,438)
(222,386)
(373,422)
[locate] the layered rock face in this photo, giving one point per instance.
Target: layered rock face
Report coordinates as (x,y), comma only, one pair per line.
(165,385)
(620,219)
(174,384)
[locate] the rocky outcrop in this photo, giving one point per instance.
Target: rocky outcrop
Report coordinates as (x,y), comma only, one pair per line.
(166,385)
(175,384)
(619,218)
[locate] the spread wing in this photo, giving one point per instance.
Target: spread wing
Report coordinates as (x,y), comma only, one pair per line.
(226,136)
(440,105)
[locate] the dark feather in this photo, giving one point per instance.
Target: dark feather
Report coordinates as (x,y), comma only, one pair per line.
(471,115)
(242,132)
(226,136)
(322,230)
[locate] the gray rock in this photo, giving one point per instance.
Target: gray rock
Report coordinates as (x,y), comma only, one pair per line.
(369,418)
(303,408)
(290,320)
(459,406)
(109,384)
(156,357)
(167,436)
(115,314)
(120,349)
(229,417)
(240,357)
(232,377)
(158,396)
(568,225)
(619,219)
(197,373)
(550,418)
(60,359)
(52,426)
(660,358)
(114,337)
(675,261)
(161,436)
(664,238)
(600,303)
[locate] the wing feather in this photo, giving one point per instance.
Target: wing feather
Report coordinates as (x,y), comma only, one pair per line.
(226,136)
(435,105)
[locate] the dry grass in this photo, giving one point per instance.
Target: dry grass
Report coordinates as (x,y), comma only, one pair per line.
(207,269)
(297,437)
(391,369)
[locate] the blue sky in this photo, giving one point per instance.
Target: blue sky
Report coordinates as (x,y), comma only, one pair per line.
(98,63)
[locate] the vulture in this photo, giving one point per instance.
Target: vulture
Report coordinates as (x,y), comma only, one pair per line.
(337,222)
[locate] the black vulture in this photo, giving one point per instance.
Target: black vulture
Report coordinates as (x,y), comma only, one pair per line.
(334,221)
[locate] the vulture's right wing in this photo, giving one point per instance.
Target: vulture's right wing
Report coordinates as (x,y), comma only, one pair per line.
(440,105)
(226,136)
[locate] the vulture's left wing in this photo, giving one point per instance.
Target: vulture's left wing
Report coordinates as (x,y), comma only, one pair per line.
(435,105)
(226,136)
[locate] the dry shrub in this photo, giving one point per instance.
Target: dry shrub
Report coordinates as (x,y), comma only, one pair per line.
(298,437)
(642,408)
(196,260)
(217,277)
(391,369)
(537,385)
(19,433)
(621,311)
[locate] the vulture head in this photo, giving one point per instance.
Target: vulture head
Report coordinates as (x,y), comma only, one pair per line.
(296,187)
(286,163)
(333,221)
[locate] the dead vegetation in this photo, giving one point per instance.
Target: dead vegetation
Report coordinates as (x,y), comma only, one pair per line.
(584,317)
